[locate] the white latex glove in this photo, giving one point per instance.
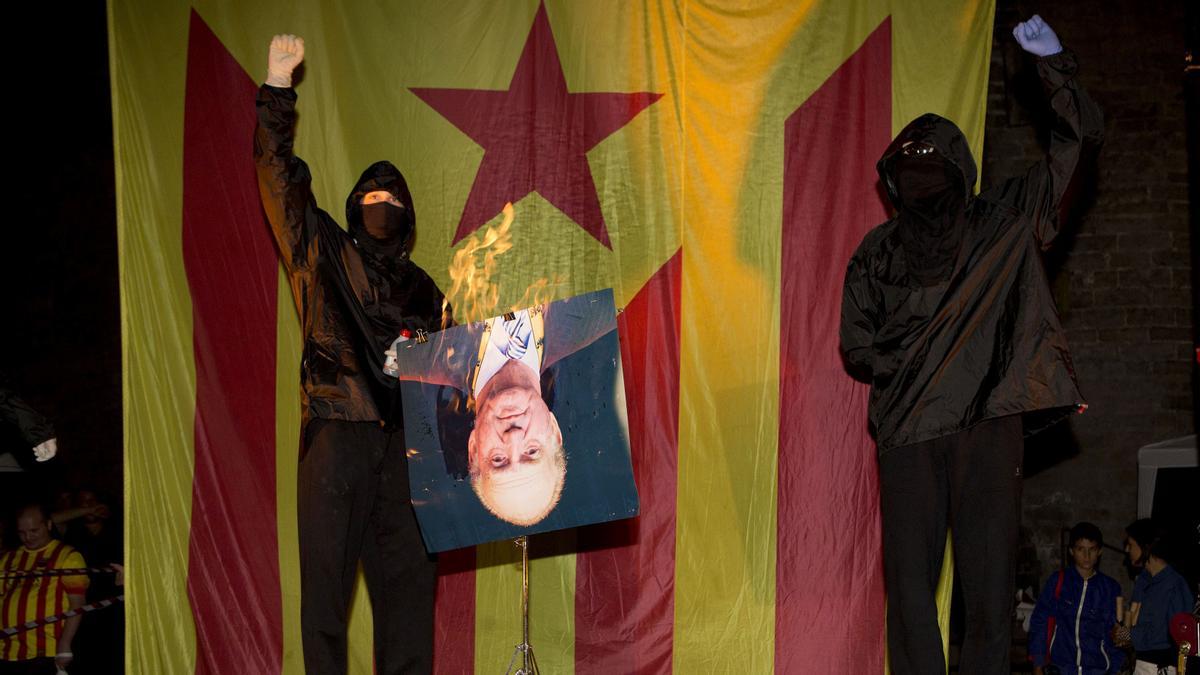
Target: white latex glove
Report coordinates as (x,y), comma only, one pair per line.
(389,365)
(45,450)
(287,52)
(1037,37)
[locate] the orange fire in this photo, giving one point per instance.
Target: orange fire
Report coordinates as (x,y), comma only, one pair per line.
(539,293)
(473,294)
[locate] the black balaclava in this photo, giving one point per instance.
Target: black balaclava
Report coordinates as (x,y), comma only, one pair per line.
(382,233)
(932,215)
(386,223)
(381,230)
(393,294)
(929,172)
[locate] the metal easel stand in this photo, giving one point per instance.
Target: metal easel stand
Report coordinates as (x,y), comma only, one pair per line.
(528,662)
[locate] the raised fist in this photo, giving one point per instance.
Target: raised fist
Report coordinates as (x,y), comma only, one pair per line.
(1037,37)
(46,450)
(287,52)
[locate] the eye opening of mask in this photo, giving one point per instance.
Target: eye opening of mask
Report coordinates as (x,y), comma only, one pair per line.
(378,197)
(917,149)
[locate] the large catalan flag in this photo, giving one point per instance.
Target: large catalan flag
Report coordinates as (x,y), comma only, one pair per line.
(713,162)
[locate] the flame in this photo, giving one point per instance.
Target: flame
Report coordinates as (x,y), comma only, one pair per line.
(473,295)
(539,293)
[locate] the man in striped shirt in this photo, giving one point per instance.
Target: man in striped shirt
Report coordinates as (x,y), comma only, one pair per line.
(47,648)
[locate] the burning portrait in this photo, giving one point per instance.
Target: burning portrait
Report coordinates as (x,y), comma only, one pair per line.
(516,424)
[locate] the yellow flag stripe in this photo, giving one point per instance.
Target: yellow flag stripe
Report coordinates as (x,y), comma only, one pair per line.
(287,446)
(728,435)
(158,380)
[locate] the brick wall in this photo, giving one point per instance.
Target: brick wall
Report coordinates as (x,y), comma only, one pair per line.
(1122,273)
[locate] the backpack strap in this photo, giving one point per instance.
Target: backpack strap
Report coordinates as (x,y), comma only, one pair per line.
(1050,627)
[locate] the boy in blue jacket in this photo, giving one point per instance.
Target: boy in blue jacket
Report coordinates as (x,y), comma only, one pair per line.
(1070,628)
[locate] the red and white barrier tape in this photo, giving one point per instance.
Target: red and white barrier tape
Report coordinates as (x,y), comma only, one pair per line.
(54,618)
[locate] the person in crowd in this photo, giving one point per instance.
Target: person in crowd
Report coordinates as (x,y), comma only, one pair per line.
(97,534)
(1071,626)
(1159,592)
(46,648)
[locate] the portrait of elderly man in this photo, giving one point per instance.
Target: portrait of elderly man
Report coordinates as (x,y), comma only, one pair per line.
(514,451)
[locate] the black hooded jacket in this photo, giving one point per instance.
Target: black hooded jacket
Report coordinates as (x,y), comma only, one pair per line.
(354,294)
(978,337)
(21,427)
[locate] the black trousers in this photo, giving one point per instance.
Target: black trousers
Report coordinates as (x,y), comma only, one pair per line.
(40,666)
(353,501)
(971,482)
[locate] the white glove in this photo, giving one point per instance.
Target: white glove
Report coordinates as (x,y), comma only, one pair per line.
(46,450)
(389,363)
(389,366)
(287,52)
(1037,37)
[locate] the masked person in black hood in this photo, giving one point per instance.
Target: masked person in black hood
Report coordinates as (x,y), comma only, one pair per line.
(947,312)
(355,292)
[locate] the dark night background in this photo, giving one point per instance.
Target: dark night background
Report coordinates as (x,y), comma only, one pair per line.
(61,344)
(1123,276)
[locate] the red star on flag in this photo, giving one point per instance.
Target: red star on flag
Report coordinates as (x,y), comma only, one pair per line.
(535,136)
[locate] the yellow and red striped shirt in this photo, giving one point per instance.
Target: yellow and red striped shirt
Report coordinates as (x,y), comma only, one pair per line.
(32,598)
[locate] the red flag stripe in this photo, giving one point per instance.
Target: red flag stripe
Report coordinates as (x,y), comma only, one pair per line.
(233,565)
(828,513)
(625,570)
(23,606)
(454,623)
(45,603)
